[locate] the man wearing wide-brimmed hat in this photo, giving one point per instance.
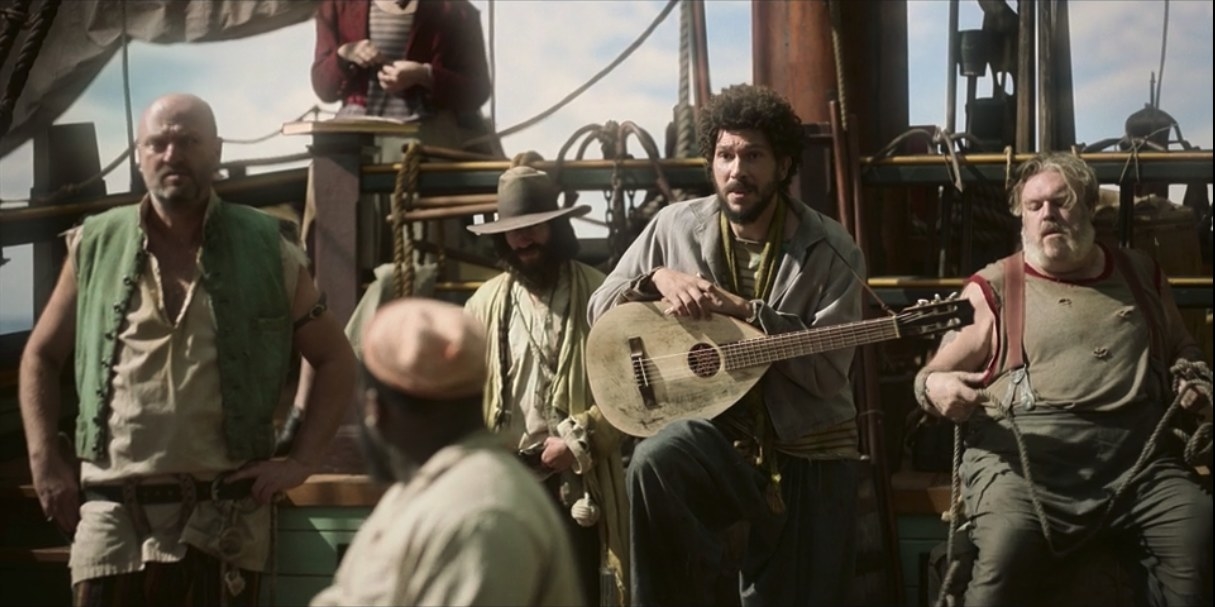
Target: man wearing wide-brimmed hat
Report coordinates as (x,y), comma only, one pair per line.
(462,522)
(537,396)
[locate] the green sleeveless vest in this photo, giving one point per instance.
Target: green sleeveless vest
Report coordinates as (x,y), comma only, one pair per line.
(242,272)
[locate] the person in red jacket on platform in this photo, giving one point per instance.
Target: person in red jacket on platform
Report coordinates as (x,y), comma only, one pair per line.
(410,60)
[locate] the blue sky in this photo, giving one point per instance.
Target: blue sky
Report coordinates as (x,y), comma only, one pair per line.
(545,49)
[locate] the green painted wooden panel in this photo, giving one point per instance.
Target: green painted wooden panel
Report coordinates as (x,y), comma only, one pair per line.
(293,590)
(918,535)
(910,551)
(922,527)
(311,552)
(323,518)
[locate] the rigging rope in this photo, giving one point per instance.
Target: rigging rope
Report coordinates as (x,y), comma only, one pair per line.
(588,84)
(14,18)
(72,188)
(314,110)
(40,25)
(838,52)
(1164,42)
(126,89)
(493,70)
(685,44)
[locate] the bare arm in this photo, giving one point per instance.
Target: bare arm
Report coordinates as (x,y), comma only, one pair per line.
(330,392)
(323,344)
(950,383)
(42,364)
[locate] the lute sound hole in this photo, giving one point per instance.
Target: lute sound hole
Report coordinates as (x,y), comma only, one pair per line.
(704,360)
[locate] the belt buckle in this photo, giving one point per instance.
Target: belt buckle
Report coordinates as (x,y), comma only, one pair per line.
(215,485)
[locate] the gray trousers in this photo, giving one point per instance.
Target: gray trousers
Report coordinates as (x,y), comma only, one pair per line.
(687,484)
(1161,527)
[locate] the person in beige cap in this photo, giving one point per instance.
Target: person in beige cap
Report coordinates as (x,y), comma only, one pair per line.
(463,521)
(537,396)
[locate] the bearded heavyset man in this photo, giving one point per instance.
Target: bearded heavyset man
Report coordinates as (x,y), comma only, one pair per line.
(783,459)
(537,396)
(1070,357)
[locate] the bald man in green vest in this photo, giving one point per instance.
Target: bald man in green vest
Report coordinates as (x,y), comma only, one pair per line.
(182,311)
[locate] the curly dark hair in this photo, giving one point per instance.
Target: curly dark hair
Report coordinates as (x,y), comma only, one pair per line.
(744,106)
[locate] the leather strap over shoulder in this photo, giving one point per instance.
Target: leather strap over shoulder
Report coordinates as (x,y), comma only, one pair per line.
(1014,310)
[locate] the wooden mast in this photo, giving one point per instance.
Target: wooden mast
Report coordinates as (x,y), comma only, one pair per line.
(793,52)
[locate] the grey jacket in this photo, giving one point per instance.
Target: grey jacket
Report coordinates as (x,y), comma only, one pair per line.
(814,287)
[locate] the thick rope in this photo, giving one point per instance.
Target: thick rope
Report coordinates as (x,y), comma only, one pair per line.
(128,113)
(837,51)
(39,27)
(685,51)
(1164,44)
(493,65)
(944,598)
(685,127)
(14,18)
(403,196)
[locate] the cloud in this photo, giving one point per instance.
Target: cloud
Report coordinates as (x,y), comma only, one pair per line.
(545,49)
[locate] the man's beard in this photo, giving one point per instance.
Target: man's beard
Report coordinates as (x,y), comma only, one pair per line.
(179,195)
(750,215)
(385,463)
(1078,243)
(538,275)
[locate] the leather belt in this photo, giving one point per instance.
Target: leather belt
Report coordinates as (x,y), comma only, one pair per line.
(170,493)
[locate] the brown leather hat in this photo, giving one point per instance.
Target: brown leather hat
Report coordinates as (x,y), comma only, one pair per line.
(526,197)
(427,348)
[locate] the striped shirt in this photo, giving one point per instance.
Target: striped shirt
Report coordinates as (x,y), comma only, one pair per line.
(389,32)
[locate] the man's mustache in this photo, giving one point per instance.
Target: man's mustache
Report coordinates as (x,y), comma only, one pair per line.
(1050,227)
(740,187)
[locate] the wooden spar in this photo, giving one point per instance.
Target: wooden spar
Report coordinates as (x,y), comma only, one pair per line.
(700,52)
(793,53)
(1046,76)
(1065,106)
(951,61)
(1025,77)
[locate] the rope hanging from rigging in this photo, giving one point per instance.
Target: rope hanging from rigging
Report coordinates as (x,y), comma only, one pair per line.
(40,25)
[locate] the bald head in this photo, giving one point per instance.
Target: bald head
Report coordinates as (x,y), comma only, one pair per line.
(179,108)
(179,151)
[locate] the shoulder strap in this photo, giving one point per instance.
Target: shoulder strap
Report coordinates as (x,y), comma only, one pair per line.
(1013,310)
(1150,312)
(502,415)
